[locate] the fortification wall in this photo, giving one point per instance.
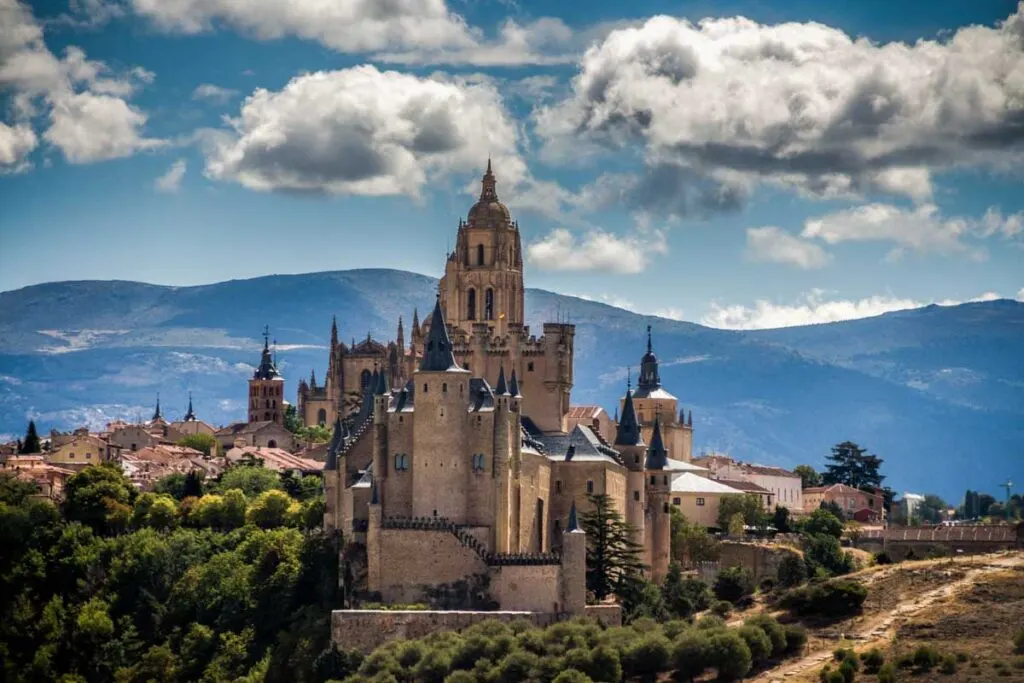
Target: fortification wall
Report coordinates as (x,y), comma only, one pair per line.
(531,588)
(411,559)
(761,559)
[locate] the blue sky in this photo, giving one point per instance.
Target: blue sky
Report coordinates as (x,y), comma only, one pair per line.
(740,164)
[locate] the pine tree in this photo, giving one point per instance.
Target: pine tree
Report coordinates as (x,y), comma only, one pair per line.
(611,551)
(31,443)
(853,466)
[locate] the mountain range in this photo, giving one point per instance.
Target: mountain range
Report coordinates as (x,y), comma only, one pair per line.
(937,392)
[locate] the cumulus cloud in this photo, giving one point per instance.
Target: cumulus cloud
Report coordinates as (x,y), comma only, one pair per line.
(920,229)
(774,244)
(171,180)
(813,308)
(16,142)
(595,250)
(85,102)
(213,93)
(800,105)
(364,131)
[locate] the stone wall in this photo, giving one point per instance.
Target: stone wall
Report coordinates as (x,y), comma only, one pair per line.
(761,559)
(607,615)
(532,588)
(413,558)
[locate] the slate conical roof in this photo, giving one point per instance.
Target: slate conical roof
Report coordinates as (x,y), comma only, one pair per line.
(513,385)
(502,388)
(437,348)
(156,412)
(334,446)
(382,384)
(267,369)
(190,416)
(628,432)
(657,456)
(573,524)
(649,378)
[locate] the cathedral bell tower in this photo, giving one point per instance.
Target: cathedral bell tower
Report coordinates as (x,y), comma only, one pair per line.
(266,388)
(483,278)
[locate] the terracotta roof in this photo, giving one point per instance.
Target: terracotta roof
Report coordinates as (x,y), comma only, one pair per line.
(585,412)
(237,428)
(276,459)
(745,486)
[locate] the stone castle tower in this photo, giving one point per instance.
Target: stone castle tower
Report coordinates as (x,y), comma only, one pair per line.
(266,388)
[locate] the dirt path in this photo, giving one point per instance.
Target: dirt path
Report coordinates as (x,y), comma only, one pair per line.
(879,628)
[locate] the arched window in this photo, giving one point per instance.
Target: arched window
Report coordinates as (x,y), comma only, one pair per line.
(364,379)
(471,305)
(479,254)
(271,444)
(266,417)
(489,305)
(321,417)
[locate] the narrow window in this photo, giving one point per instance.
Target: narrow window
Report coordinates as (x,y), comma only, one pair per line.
(558,528)
(479,254)
(424,387)
(665,507)
(71,456)
(444,387)
(636,495)
(529,366)
(654,480)
(489,305)
(665,480)
(590,486)
(471,305)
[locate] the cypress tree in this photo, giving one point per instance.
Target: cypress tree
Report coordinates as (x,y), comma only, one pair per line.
(611,551)
(31,443)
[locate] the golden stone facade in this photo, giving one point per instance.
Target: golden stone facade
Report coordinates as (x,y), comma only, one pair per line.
(454,454)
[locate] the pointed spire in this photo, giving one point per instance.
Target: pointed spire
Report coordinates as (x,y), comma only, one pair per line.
(334,331)
(628,433)
(401,337)
(488,191)
(382,384)
(156,413)
(573,524)
(415,322)
(190,416)
(649,339)
(267,369)
(437,349)
(312,379)
(337,439)
(616,418)
(649,378)
(689,419)
(513,385)
(657,456)
(502,388)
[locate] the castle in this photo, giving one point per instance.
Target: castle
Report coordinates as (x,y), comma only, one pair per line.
(453,458)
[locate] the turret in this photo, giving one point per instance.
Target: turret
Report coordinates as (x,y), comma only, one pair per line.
(657,516)
(190,415)
(574,566)
(630,443)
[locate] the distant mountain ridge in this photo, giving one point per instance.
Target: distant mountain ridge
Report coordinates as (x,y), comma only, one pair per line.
(937,392)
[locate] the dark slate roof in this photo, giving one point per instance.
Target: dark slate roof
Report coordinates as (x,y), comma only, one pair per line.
(267,369)
(480,395)
(628,432)
(513,385)
(502,387)
(337,440)
(382,383)
(190,416)
(573,524)
(657,456)
(580,445)
(437,349)
(402,401)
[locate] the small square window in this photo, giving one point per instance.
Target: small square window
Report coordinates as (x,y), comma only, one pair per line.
(676,501)
(444,387)
(529,367)
(700,501)
(636,495)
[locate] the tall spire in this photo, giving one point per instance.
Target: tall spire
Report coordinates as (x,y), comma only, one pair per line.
(513,385)
(488,189)
(649,379)
(437,348)
(156,413)
(657,456)
(382,384)
(502,388)
(401,337)
(190,416)
(334,331)
(415,322)
(628,433)
(267,368)
(689,419)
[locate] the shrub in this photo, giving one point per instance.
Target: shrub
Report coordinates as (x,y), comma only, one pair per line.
(460,677)
(883,558)
(848,670)
(690,655)
(926,657)
(948,664)
(792,570)
(887,674)
(518,666)
(830,598)
(721,608)
(773,629)
(734,583)
(873,660)
(758,641)
(673,629)
(961,657)
(767,585)
(828,675)
(844,654)
(572,676)
(434,666)
(729,654)
(905,661)
(1018,641)
(796,638)
(647,657)
(710,622)
(604,664)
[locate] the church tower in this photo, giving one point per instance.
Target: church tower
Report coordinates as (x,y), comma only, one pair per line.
(483,278)
(266,388)
(657,517)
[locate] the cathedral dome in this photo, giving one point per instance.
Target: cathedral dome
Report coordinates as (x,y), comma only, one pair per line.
(488,210)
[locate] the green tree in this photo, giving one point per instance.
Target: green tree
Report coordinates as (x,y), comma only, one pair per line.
(612,554)
(730,655)
(748,504)
(691,543)
(809,476)
(932,509)
(681,596)
(736,527)
(99,497)
(15,491)
(206,443)
(292,422)
(691,654)
(250,479)
(823,522)
(780,519)
(734,583)
(824,551)
(853,466)
(31,443)
(270,509)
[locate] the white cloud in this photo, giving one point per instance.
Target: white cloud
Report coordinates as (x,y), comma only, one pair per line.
(595,250)
(364,131)
(671,313)
(814,308)
(773,244)
(920,229)
(213,93)
(16,142)
(802,105)
(1020,294)
(171,180)
(88,113)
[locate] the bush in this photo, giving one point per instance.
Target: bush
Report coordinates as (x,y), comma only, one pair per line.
(828,675)
(845,654)
(460,677)
(721,608)
(434,666)
(729,654)
(647,657)
(905,661)
(887,674)
(604,664)
(948,664)
(710,622)
(773,629)
(792,570)
(796,638)
(1018,642)
(961,657)
(833,599)
(848,670)
(690,655)
(883,558)
(873,660)
(734,583)
(517,666)
(758,641)
(766,585)
(926,657)
(572,676)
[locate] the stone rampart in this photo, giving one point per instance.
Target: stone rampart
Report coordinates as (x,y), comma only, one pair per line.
(762,559)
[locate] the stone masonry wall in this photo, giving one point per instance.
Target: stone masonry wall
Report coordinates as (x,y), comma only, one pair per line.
(412,558)
(532,588)
(761,559)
